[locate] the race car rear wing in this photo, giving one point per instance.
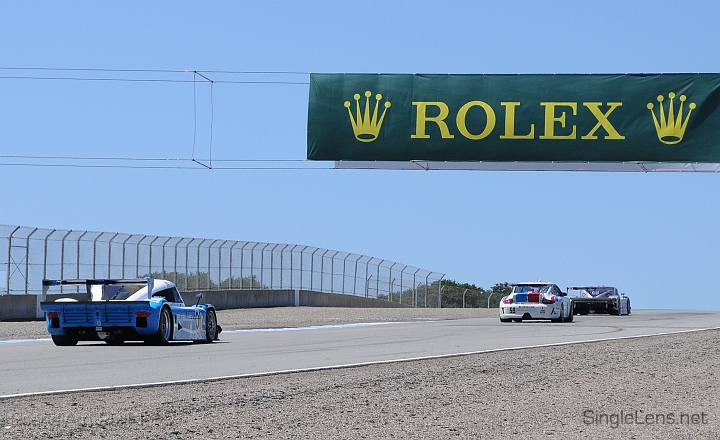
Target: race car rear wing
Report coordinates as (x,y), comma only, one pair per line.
(590,287)
(527,283)
(103,282)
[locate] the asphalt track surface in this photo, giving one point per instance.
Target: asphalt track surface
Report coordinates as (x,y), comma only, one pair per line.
(37,366)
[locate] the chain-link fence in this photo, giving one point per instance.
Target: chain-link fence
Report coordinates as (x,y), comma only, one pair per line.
(29,255)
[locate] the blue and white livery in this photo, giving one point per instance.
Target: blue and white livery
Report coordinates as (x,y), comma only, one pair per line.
(116,311)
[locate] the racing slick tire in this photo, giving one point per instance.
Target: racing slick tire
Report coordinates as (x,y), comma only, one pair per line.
(165,327)
(570,316)
(211,327)
(64,341)
(562,315)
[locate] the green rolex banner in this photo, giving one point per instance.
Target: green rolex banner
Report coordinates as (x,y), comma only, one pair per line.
(515,118)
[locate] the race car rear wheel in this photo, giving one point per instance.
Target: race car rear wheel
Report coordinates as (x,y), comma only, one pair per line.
(164,333)
(210,326)
(64,341)
(561,318)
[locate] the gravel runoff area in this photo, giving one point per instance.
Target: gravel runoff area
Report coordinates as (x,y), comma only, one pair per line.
(660,387)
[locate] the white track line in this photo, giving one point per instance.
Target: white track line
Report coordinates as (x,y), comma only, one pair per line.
(250,330)
(335,367)
(18,341)
(313,327)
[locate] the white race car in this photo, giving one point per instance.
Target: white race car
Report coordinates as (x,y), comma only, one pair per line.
(536,300)
(599,299)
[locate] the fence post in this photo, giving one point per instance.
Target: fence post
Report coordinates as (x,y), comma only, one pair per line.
(252,263)
(355,275)
(377,280)
(401,283)
(242,253)
(440,288)
(137,256)
(220,263)
(45,253)
(414,300)
(392,281)
(162,258)
(343,273)
(312,267)
(95,253)
(77,256)
(272,263)
(400,291)
(230,265)
(175,272)
(150,271)
(302,251)
(262,264)
(10,257)
(209,272)
(62,260)
(110,254)
(427,287)
(197,274)
(187,258)
(122,275)
(27,259)
(280,269)
(322,268)
(332,272)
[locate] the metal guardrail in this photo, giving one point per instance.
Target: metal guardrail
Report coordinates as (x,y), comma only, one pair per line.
(29,255)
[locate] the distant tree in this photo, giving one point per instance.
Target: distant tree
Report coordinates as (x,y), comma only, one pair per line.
(249,282)
(499,290)
(453,292)
(202,281)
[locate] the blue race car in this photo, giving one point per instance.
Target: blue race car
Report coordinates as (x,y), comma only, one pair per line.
(116,311)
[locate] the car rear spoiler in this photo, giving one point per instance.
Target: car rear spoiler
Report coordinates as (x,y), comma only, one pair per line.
(594,287)
(149,282)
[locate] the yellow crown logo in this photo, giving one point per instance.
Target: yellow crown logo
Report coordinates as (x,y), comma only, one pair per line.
(671,130)
(366,129)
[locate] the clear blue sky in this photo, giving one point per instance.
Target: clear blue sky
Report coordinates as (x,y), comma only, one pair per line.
(654,236)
